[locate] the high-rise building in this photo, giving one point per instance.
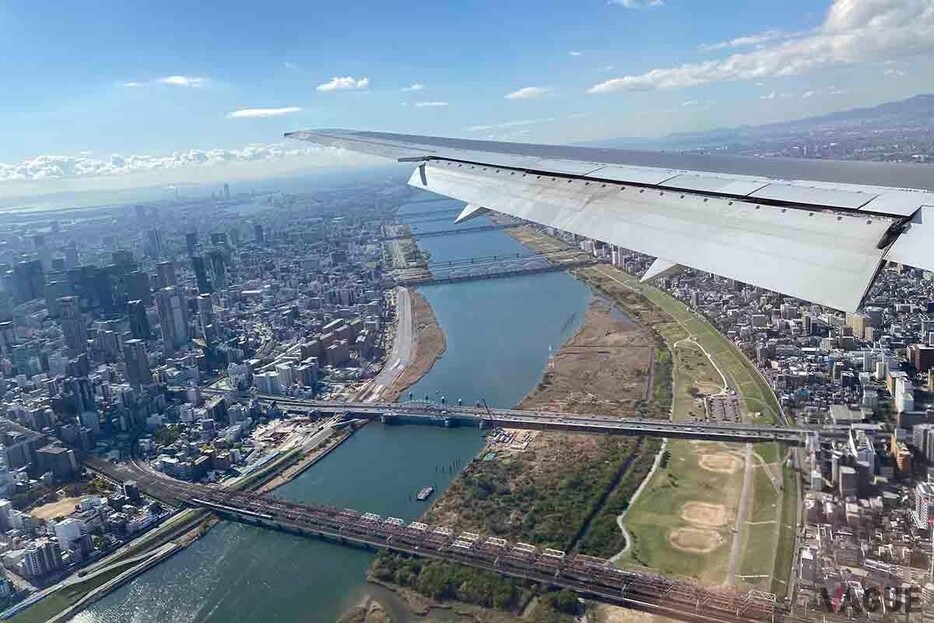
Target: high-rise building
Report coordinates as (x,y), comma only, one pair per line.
(219,269)
(154,244)
(58,460)
(137,287)
(68,531)
(258,233)
(71,255)
(42,556)
(6,514)
(173,318)
(28,281)
(73,324)
(55,290)
(226,192)
(191,242)
(165,273)
(138,320)
(137,363)
(205,314)
(201,274)
(80,390)
(7,337)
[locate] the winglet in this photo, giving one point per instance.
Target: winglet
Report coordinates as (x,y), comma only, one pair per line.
(661,268)
(470,211)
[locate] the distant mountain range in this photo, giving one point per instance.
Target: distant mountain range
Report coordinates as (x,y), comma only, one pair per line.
(915,114)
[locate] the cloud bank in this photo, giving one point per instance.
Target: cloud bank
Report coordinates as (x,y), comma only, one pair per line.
(853,31)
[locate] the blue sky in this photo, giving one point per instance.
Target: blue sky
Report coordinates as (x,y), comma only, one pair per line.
(161,83)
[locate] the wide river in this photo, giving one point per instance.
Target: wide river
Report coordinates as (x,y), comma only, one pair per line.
(498,335)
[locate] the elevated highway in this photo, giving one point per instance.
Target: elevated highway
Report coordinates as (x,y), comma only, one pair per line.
(451,415)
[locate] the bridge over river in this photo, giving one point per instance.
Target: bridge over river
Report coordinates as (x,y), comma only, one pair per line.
(590,577)
(454,415)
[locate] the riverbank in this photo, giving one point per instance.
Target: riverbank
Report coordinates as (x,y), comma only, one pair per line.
(428,345)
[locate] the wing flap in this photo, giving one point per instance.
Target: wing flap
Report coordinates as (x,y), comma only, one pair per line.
(818,256)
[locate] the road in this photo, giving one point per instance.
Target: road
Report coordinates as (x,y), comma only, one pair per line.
(403,344)
(430,413)
(736,549)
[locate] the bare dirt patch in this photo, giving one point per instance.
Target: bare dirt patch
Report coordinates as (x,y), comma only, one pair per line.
(720,462)
(695,540)
(704,514)
(61,508)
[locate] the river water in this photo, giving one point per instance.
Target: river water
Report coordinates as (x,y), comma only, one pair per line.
(498,335)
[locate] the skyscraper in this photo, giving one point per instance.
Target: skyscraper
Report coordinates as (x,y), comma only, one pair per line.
(191,242)
(218,269)
(73,324)
(154,244)
(226,192)
(137,287)
(137,363)
(205,314)
(201,274)
(28,281)
(138,320)
(165,272)
(173,317)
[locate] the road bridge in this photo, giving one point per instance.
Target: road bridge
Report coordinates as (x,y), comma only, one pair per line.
(504,257)
(593,578)
(449,232)
(454,415)
(492,271)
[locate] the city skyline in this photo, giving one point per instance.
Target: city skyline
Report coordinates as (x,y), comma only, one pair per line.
(181,102)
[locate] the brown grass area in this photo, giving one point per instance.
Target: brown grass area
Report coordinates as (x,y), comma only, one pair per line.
(429,346)
(602,369)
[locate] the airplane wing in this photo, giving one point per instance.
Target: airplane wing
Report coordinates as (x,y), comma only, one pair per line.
(814,229)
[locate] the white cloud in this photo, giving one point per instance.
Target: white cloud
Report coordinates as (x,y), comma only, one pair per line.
(262,113)
(51,167)
(290,65)
(894,73)
(528,93)
(636,4)
(511,124)
(853,31)
(749,41)
(172,81)
(347,83)
(182,81)
(430,104)
(768,96)
(689,103)
(575,53)
(415,87)
(808,94)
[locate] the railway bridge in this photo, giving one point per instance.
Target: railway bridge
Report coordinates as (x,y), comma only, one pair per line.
(590,577)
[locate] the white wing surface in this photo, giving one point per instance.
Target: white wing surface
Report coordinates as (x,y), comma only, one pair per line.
(817,230)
